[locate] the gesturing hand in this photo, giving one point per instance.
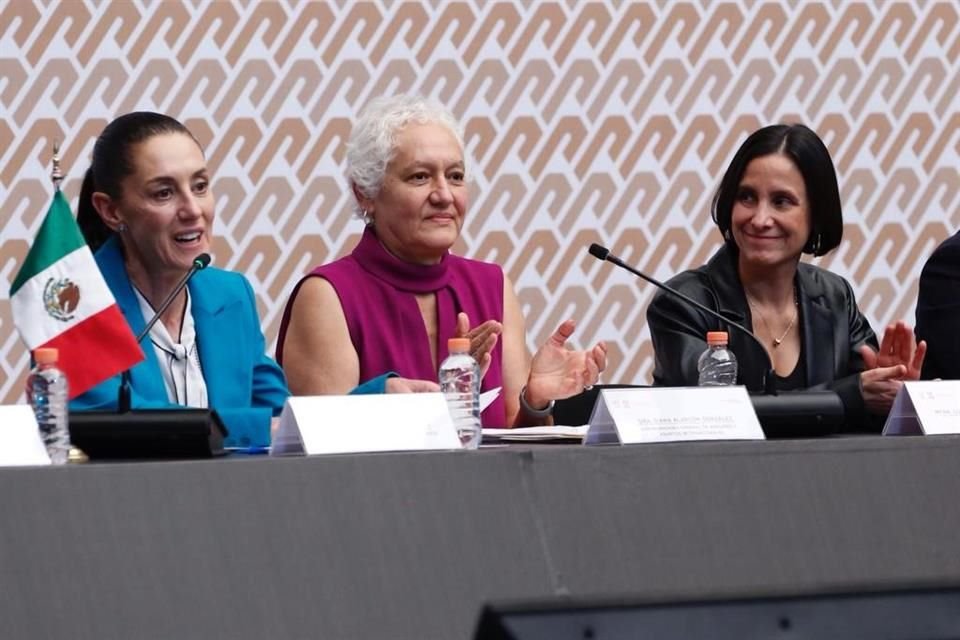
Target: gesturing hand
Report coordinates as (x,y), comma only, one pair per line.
(557,372)
(483,338)
(898,347)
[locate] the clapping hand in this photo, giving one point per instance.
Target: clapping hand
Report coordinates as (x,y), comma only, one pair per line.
(557,372)
(483,338)
(898,347)
(900,358)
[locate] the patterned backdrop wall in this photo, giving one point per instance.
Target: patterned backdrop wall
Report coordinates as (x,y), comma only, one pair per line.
(586,121)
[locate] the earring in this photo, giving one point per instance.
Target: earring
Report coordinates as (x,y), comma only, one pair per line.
(816,244)
(121,228)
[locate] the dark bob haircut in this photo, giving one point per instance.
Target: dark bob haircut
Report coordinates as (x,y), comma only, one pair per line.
(812,158)
(113,161)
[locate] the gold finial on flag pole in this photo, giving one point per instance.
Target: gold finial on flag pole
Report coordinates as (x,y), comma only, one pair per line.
(56,175)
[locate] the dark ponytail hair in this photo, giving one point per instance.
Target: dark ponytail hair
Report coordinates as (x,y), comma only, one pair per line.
(113,161)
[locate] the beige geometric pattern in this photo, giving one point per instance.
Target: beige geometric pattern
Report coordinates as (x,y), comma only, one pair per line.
(586,121)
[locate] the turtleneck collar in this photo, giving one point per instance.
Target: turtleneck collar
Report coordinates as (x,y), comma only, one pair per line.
(406,276)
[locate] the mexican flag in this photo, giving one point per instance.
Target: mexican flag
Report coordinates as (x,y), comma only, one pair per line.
(59,299)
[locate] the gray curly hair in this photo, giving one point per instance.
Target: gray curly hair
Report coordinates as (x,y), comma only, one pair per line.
(373,140)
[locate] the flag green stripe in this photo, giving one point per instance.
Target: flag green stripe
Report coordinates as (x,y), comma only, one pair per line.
(58,236)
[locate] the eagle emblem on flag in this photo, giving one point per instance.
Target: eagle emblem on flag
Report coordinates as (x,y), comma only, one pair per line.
(60,298)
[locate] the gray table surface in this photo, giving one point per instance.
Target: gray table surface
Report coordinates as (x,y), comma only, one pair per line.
(410,545)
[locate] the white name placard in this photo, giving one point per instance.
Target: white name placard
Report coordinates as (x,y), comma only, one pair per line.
(22,445)
(377,422)
(673,414)
(930,407)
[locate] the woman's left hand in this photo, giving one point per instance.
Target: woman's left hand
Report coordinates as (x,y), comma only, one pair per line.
(557,372)
(898,346)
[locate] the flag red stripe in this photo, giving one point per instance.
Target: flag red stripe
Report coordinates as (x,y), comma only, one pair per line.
(96,349)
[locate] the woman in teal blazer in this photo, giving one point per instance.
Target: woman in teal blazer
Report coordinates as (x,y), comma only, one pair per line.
(147,210)
(245,386)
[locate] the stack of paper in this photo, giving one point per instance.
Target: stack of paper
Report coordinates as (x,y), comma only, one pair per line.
(536,434)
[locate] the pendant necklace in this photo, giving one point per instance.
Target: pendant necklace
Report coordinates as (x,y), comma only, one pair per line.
(776,341)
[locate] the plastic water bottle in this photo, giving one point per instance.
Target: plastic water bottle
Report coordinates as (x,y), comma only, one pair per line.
(47,394)
(717,365)
(460,383)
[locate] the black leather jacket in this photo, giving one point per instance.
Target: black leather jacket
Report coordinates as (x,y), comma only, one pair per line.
(832,325)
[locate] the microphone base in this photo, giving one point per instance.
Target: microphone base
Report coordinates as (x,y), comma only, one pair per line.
(799,414)
(148,434)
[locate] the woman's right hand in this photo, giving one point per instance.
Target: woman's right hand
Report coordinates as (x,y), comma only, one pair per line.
(483,338)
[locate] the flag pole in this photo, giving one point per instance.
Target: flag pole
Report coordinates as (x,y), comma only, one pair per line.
(56,175)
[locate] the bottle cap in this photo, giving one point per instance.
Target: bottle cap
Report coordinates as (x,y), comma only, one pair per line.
(716,337)
(46,355)
(458,345)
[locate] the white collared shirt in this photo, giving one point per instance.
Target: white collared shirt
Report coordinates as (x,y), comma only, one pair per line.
(179,361)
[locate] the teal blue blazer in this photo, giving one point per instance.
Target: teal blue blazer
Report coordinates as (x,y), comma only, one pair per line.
(244,385)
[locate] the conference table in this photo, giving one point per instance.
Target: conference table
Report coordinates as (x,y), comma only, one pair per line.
(411,545)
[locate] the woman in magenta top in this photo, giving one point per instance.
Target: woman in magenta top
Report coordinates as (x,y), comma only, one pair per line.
(394,301)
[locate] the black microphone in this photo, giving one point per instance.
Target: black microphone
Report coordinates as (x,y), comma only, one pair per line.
(767,381)
(200,262)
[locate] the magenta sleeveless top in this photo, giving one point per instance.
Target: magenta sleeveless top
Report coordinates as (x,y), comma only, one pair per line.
(377,291)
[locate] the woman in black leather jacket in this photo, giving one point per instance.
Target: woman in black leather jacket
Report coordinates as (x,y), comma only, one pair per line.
(779,199)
